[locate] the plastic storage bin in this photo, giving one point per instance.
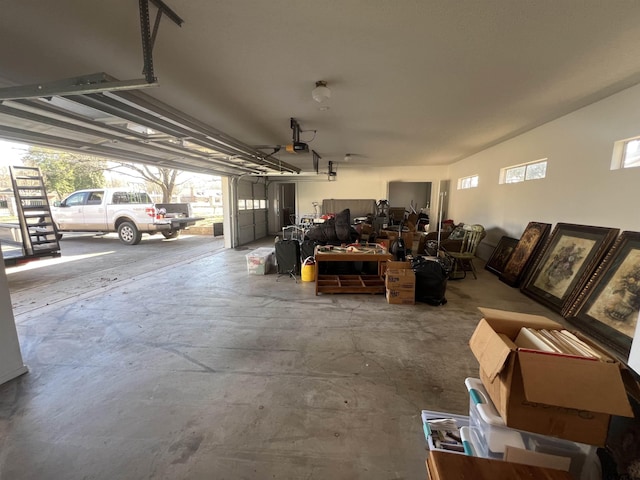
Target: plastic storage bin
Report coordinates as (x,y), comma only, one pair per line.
(494,437)
(261,261)
(459,427)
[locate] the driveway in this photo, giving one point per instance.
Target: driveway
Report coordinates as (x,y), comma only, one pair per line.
(91,262)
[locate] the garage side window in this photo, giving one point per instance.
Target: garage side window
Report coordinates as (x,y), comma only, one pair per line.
(468,182)
(523,172)
(626,154)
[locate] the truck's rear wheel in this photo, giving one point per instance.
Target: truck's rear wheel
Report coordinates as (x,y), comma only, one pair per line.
(129,233)
(171,234)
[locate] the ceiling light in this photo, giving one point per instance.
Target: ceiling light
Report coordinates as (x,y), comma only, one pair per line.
(347,157)
(321,93)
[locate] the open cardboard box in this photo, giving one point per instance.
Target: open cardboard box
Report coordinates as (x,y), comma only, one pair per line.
(549,394)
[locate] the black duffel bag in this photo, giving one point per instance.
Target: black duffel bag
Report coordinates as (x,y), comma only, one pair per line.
(431,279)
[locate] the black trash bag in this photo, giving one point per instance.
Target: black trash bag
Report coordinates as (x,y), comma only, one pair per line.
(323,232)
(336,230)
(431,279)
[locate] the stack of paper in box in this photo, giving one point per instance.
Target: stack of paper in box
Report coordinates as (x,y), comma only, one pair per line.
(400,282)
(546,380)
(561,342)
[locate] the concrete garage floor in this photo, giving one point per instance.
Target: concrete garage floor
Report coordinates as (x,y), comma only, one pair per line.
(168,361)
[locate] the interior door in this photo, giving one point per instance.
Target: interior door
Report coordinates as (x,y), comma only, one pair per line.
(288,204)
(408,196)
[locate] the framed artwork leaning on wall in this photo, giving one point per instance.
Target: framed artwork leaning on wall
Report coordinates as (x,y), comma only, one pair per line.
(566,263)
(608,306)
(525,252)
(501,255)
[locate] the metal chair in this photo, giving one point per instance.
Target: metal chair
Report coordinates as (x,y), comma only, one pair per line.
(293,232)
(473,235)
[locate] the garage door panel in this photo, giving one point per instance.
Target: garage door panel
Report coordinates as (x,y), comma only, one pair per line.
(261,223)
(252,220)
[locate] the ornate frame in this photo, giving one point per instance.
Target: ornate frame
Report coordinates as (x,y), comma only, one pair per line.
(608,306)
(501,255)
(566,262)
(524,255)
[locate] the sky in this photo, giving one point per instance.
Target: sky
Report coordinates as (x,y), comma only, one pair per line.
(11,153)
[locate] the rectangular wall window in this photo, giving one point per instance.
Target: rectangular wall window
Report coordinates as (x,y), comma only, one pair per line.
(626,154)
(468,182)
(632,154)
(527,171)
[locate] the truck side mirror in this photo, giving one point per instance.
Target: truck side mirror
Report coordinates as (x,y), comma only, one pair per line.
(57,203)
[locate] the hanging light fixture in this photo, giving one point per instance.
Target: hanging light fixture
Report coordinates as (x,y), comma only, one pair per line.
(321,93)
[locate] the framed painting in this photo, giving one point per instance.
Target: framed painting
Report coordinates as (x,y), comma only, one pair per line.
(501,255)
(566,263)
(525,252)
(608,306)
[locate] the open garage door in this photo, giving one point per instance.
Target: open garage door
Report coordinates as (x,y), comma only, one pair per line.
(134,127)
(128,126)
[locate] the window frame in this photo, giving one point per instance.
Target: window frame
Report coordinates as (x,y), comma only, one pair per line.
(470,179)
(619,156)
(505,170)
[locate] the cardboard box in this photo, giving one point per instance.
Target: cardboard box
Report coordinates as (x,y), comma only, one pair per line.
(404,278)
(392,265)
(261,261)
(549,394)
(406,236)
(401,296)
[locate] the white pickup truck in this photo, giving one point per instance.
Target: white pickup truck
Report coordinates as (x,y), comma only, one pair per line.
(129,213)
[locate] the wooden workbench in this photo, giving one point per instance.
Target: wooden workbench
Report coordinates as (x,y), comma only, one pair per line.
(351,283)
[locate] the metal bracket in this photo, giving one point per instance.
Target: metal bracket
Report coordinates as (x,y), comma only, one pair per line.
(316,160)
(296,130)
(148,37)
(101,82)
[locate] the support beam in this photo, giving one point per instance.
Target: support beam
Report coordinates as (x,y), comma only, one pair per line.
(94,83)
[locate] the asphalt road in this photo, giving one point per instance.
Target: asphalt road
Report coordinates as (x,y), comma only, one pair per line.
(90,262)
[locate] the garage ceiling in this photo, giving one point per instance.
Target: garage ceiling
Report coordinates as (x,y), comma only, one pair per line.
(413,82)
(127,126)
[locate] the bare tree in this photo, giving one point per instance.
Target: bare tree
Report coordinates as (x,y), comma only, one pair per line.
(162,177)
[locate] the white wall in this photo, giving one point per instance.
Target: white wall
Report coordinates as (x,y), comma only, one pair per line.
(579,187)
(353,183)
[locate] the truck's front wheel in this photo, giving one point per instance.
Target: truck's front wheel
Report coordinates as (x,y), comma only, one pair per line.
(171,234)
(129,233)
